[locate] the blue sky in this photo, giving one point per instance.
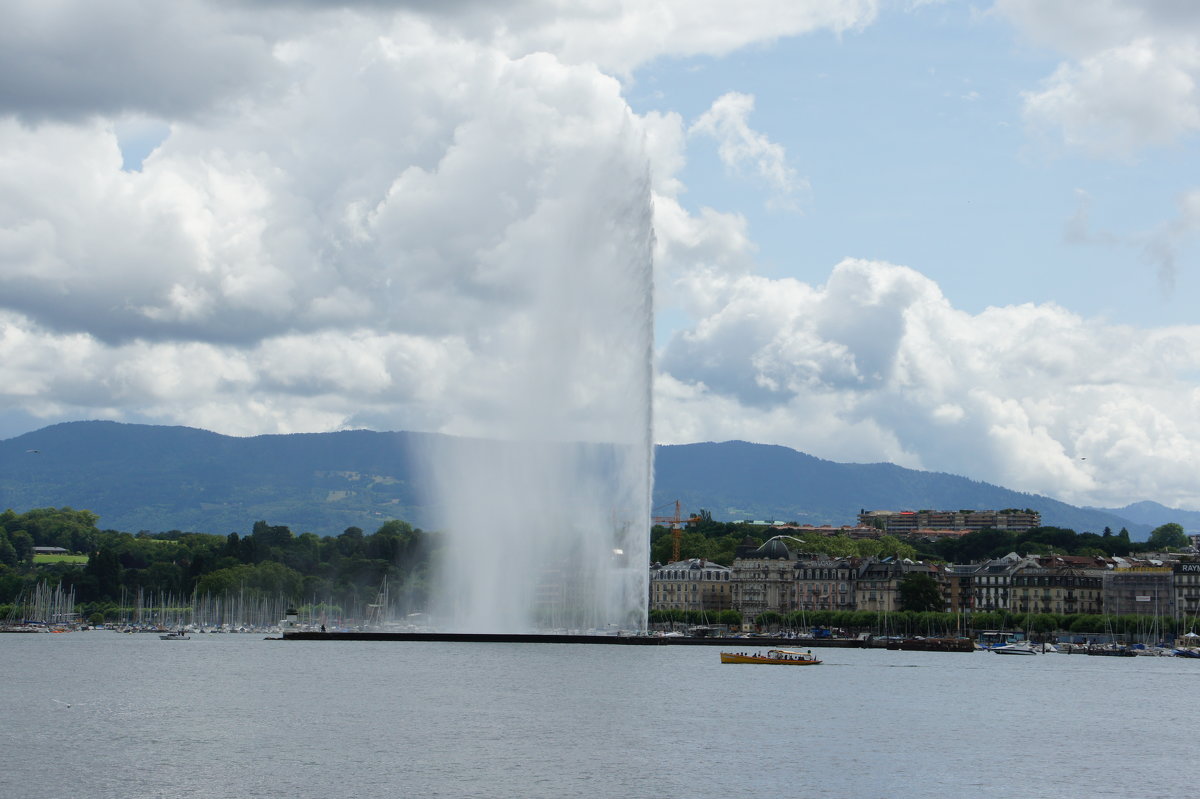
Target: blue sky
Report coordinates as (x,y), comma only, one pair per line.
(911,138)
(954,236)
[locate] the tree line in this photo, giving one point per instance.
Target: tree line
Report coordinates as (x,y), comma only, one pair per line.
(348,569)
(270,560)
(718,542)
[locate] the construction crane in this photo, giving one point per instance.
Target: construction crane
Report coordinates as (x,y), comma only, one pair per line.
(675,523)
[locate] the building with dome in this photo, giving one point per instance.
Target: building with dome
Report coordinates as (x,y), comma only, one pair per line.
(764,578)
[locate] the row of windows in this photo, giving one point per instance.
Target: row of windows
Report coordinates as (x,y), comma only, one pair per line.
(822,574)
(689,574)
(1072,581)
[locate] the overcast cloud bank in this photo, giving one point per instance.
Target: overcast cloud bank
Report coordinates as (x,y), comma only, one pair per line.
(336,225)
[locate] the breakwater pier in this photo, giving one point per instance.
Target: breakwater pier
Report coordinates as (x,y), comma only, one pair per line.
(563,638)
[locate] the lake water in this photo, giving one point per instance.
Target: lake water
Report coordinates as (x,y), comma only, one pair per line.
(237,716)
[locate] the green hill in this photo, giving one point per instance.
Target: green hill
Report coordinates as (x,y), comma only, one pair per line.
(145,477)
(738,480)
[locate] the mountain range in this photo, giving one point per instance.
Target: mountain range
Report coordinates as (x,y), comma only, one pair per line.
(157,478)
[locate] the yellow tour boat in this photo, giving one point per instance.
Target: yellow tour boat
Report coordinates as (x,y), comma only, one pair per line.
(774,657)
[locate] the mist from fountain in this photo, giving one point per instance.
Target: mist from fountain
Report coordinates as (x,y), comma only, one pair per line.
(546,512)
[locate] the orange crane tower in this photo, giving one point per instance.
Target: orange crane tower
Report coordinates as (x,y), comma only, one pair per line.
(675,523)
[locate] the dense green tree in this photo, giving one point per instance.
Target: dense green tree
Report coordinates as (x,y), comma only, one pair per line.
(1087,623)
(1041,623)
(304,555)
(768,620)
(885,546)
(23,544)
(266,579)
(920,592)
(729,617)
(270,540)
(350,542)
(162,577)
(1167,536)
(233,547)
(8,553)
(105,571)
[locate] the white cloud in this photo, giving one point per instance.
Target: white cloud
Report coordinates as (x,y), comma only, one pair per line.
(69,60)
(274,217)
(1118,100)
(1107,23)
(380,234)
(1162,245)
(1131,79)
(743,149)
(368,215)
(620,36)
(877,365)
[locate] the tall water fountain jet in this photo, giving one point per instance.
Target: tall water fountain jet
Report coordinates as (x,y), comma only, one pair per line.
(546,508)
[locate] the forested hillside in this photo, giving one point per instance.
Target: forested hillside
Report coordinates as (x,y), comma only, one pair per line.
(144,477)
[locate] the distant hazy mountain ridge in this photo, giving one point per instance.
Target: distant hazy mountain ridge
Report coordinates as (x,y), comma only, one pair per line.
(145,477)
(737,480)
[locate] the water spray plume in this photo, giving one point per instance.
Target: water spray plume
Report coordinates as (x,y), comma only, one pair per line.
(546,513)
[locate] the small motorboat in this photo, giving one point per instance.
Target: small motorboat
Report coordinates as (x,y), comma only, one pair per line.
(773,657)
(1015,649)
(175,635)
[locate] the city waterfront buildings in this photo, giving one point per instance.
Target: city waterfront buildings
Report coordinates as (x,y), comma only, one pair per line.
(772,577)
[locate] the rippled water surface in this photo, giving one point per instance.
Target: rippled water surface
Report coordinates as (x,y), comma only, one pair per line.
(101,714)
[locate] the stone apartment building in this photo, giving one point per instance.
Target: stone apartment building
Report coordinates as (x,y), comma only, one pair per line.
(764,579)
(957,587)
(877,583)
(992,580)
(773,578)
(1134,589)
(824,583)
(693,584)
(1055,589)
(1187,588)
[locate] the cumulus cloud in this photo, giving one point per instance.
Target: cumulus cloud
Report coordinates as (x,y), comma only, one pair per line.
(877,365)
(379,235)
(1129,84)
(68,60)
(1123,98)
(743,149)
(1131,78)
(368,214)
(619,36)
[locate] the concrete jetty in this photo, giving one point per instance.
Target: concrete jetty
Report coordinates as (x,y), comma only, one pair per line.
(559,638)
